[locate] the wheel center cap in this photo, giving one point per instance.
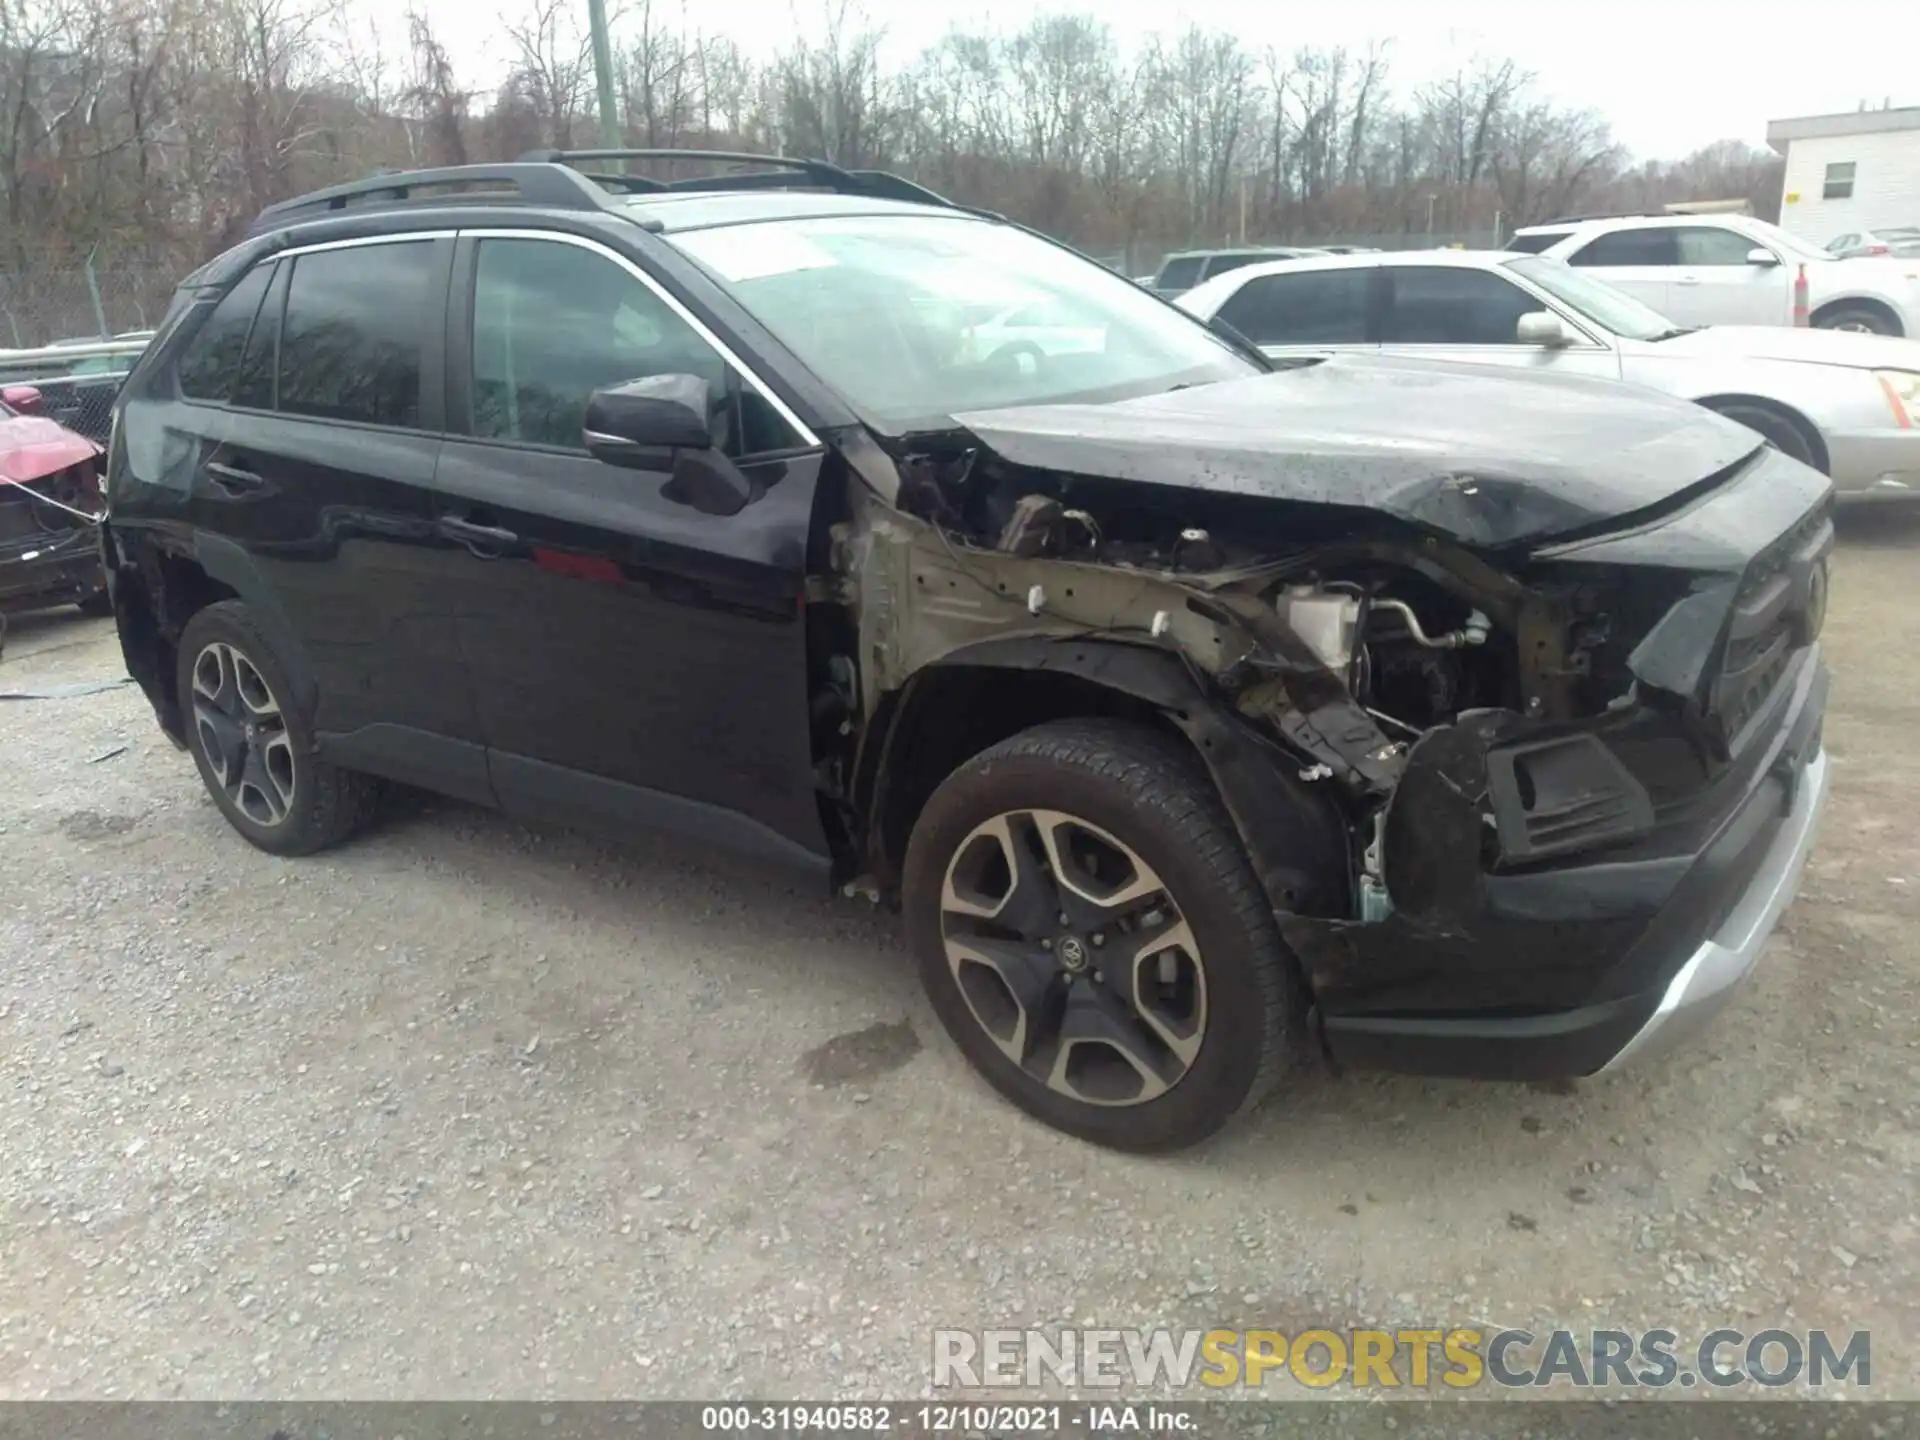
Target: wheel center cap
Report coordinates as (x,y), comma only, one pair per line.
(1072,953)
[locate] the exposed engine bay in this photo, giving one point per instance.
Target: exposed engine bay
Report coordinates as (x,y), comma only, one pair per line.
(1453,705)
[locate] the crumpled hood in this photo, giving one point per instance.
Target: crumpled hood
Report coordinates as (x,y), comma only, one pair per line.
(32,446)
(1783,342)
(1488,457)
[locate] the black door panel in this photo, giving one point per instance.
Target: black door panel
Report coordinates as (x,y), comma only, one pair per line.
(336,520)
(622,638)
(633,661)
(322,525)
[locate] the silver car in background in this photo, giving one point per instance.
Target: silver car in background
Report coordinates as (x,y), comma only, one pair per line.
(1848,404)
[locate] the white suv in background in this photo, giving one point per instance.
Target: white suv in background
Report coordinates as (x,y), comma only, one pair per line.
(1732,270)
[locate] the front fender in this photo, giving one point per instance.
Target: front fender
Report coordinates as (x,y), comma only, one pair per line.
(1294,832)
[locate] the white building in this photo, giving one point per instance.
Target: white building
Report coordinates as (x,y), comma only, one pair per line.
(1848,173)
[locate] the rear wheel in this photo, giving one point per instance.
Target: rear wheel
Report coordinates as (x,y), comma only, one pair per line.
(1092,936)
(253,747)
(1784,434)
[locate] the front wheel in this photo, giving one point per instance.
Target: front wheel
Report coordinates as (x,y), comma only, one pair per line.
(1094,940)
(1783,434)
(1857,318)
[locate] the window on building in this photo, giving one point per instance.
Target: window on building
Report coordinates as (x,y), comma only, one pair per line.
(1839,184)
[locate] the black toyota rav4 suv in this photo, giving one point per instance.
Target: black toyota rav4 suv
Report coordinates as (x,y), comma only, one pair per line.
(1199,717)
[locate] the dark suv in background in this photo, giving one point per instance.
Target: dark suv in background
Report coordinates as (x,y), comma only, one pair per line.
(1199,717)
(1185,269)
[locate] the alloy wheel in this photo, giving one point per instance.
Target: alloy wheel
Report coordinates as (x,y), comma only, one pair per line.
(1074,957)
(243,734)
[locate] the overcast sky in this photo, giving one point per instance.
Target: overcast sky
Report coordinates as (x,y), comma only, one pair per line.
(1670,76)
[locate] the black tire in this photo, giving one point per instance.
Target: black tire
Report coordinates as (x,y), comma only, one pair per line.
(1150,792)
(1784,434)
(323,804)
(1857,317)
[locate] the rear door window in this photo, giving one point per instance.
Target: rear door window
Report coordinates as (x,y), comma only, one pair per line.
(211,362)
(1441,305)
(352,334)
(1320,307)
(1652,245)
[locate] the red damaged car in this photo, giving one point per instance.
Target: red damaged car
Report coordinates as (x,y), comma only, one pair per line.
(49,509)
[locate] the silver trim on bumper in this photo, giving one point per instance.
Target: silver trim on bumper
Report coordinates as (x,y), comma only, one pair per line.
(1713,971)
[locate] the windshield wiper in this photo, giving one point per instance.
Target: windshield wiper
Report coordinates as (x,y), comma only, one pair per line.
(1670,334)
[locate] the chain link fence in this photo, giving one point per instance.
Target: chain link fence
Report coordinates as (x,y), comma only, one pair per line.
(82,403)
(72,333)
(48,305)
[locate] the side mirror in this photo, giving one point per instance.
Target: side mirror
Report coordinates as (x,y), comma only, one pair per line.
(661,412)
(23,399)
(1543,328)
(663,423)
(1760,255)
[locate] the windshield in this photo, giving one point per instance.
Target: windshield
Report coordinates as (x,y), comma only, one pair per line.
(898,313)
(1610,309)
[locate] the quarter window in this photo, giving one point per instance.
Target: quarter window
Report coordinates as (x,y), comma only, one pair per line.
(212,359)
(552,323)
(1534,244)
(254,388)
(351,338)
(1322,307)
(1181,273)
(1839,182)
(1221,264)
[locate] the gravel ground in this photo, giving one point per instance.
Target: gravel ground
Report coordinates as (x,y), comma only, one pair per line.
(471,1109)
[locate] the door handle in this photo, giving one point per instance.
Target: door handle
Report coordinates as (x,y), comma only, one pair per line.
(1687,280)
(232,478)
(477,538)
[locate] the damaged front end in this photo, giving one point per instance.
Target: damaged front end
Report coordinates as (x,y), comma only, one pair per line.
(1497,793)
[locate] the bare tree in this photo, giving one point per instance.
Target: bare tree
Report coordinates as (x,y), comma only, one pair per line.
(147,132)
(554,74)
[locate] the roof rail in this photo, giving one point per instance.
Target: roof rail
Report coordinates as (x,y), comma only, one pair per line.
(538,185)
(784,170)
